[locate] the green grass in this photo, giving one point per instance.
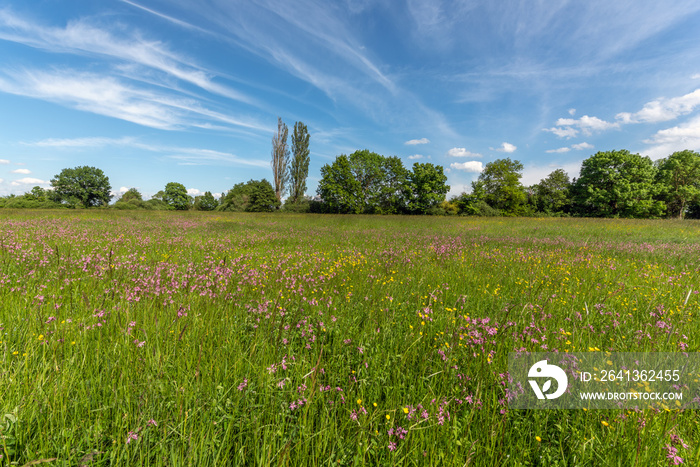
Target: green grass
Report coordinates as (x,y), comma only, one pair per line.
(171,339)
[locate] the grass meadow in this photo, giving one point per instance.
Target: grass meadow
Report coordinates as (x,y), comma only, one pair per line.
(201,339)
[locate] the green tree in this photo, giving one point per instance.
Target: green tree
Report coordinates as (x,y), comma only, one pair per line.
(262,197)
(85,186)
(236,199)
(391,196)
(299,167)
(280,159)
(252,196)
(501,185)
(206,202)
(36,194)
(366,168)
(552,193)
(175,195)
(678,180)
(364,182)
(427,188)
(616,184)
(131,193)
(338,188)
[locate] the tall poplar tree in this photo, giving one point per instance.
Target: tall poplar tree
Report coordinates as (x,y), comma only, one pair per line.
(299,168)
(280,159)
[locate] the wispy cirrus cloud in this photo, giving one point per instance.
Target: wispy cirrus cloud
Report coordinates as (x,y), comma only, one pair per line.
(183,155)
(349,73)
(108,96)
(82,37)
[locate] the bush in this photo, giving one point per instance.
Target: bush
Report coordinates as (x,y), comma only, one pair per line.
(124,206)
(450,208)
(19,202)
(302,206)
(482,208)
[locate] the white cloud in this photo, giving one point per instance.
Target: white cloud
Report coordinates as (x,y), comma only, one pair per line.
(413,142)
(566,132)
(457,189)
(28,181)
(580,146)
(572,112)
(570,127)
(577,147)
(4,161)
(697,76)
(22,171)
(662,110)
(534,173)
(470,166)
(416,156)
(194,192)
(586,124)
(462,152)
(507,147)
(666,142)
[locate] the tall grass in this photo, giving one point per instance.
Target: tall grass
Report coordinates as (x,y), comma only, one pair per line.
(234,339)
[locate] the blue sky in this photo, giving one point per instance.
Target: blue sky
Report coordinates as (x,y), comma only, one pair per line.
(154,91)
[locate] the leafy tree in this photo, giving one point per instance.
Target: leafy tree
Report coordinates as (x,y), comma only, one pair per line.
(338,187)
(37,193)
(366,168)
(364,182)
(84,186)
(393,187)
(299,167)
(501,185)
(427,187)
(175,196)
(552,193)
(616,184)
(252,196)
(262,197)
(280,159)
(678,179)
(206,202)
(131,193)
(236,199)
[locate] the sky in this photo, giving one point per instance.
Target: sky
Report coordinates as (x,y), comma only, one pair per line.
(159,91)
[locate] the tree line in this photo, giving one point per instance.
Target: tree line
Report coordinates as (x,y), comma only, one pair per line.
(611,184)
